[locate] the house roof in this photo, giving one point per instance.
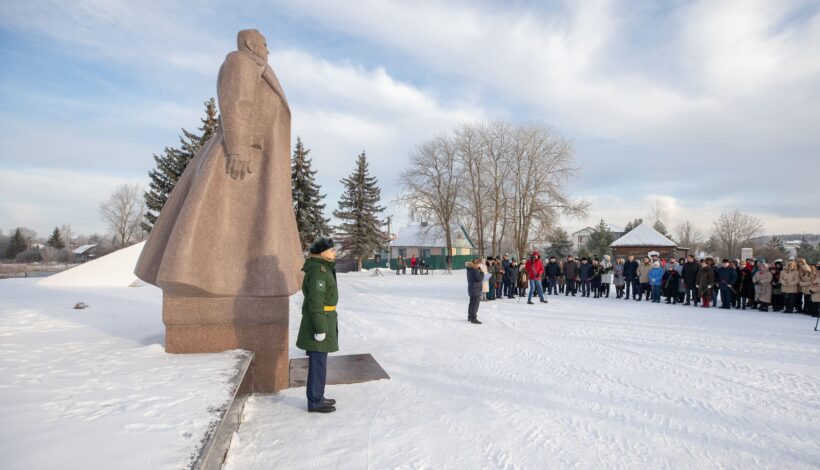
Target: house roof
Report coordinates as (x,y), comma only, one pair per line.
(643,235)
(431,236)
(612,228)
(82,249)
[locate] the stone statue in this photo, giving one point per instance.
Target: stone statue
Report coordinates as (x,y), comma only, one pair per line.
(225,249)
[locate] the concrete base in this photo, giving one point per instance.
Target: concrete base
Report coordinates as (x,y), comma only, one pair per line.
(352,369)
(214,324)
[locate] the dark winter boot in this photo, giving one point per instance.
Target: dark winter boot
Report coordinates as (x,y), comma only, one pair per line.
(475,321)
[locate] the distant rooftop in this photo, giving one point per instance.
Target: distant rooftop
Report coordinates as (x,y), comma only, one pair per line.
(643,235)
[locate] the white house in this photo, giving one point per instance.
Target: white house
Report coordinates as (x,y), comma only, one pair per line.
(581,237)
(424,240)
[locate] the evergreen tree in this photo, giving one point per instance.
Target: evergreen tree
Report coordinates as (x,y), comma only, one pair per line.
(17,244)
(600,239)
(173,162)
(632,225)
(360,230)
(56,239)
(307,200)
(808,251)
(660,227)
(560,244)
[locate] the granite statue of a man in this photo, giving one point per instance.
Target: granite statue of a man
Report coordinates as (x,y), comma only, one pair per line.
(225,249)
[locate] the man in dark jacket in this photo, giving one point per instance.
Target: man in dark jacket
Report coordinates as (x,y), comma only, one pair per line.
(511,277)
(726,278)
(571,276)
(690,279)
(506,284)
(631,278)
(319,331)
(553,271)
(474,280)
(585,275)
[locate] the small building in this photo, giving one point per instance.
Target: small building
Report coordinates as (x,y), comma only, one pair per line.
(581,237)
(643,240)
(425,240)
(85,252)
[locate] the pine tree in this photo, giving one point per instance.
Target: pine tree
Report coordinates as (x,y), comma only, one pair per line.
(632,225)
(173,162)
(660,227)
(560,244)
(307,200)
(600,239)
(56,239)
(17,244)
(360,229)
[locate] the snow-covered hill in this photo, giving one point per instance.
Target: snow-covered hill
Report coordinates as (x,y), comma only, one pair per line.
(112,270)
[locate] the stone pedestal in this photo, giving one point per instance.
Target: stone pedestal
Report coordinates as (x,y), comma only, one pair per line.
(215,324)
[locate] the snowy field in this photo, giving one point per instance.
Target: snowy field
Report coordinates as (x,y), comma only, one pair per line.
(577,383)
(94,388)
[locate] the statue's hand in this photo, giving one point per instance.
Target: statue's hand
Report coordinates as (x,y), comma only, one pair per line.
(237,166)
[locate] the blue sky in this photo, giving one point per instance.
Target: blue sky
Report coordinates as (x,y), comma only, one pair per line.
(701,106)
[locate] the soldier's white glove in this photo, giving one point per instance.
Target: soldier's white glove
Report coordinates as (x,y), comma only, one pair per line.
(319,337)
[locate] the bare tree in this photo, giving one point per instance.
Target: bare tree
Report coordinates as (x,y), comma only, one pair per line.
(122,212)
(65,229)
(732,230)
(496,147)
(430,184)
(542,165)
(470,158)
(658,212)
(689,236)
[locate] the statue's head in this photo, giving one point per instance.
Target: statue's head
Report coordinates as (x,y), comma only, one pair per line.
(251,40)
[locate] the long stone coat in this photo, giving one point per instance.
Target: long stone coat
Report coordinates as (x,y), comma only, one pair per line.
(227,237)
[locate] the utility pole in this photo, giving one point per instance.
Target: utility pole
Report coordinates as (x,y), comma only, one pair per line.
(389,240)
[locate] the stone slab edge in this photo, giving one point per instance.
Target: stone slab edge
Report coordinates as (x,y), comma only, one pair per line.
(217,440)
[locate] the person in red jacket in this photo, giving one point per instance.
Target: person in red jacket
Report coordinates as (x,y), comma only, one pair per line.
(535,269)
(413,262)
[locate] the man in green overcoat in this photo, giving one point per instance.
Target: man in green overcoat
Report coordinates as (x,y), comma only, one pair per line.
(318,332)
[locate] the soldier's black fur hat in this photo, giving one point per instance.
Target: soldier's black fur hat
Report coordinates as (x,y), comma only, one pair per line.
(320,245)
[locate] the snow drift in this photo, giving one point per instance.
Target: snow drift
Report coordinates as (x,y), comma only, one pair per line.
(112,270)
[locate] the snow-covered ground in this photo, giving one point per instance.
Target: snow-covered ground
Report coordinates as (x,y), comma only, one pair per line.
(577,383)
(94,388)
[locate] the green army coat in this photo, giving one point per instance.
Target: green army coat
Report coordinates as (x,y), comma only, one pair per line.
(319,289)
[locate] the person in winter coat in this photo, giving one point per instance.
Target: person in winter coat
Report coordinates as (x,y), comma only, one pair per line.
(763,287)
(643,277)
(510,277)
(414,265)
(485,282)
(790,283)
(585,275)
(655,277)
(690,280)
(726,277)
(670,283)
(475,279)
(704,281)
(401,266)
(606,275)
(806,275)
(507,282)
(736,286)
(498,279)
(523,281)
(815,290)
(595,280)
(571,276)
(618,277)
(777,291)
(747,287)
(535,269)
(318,330)
(490,280)
(631,280)
(552,271)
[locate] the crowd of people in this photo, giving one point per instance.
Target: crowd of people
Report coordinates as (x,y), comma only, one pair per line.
(789,287)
